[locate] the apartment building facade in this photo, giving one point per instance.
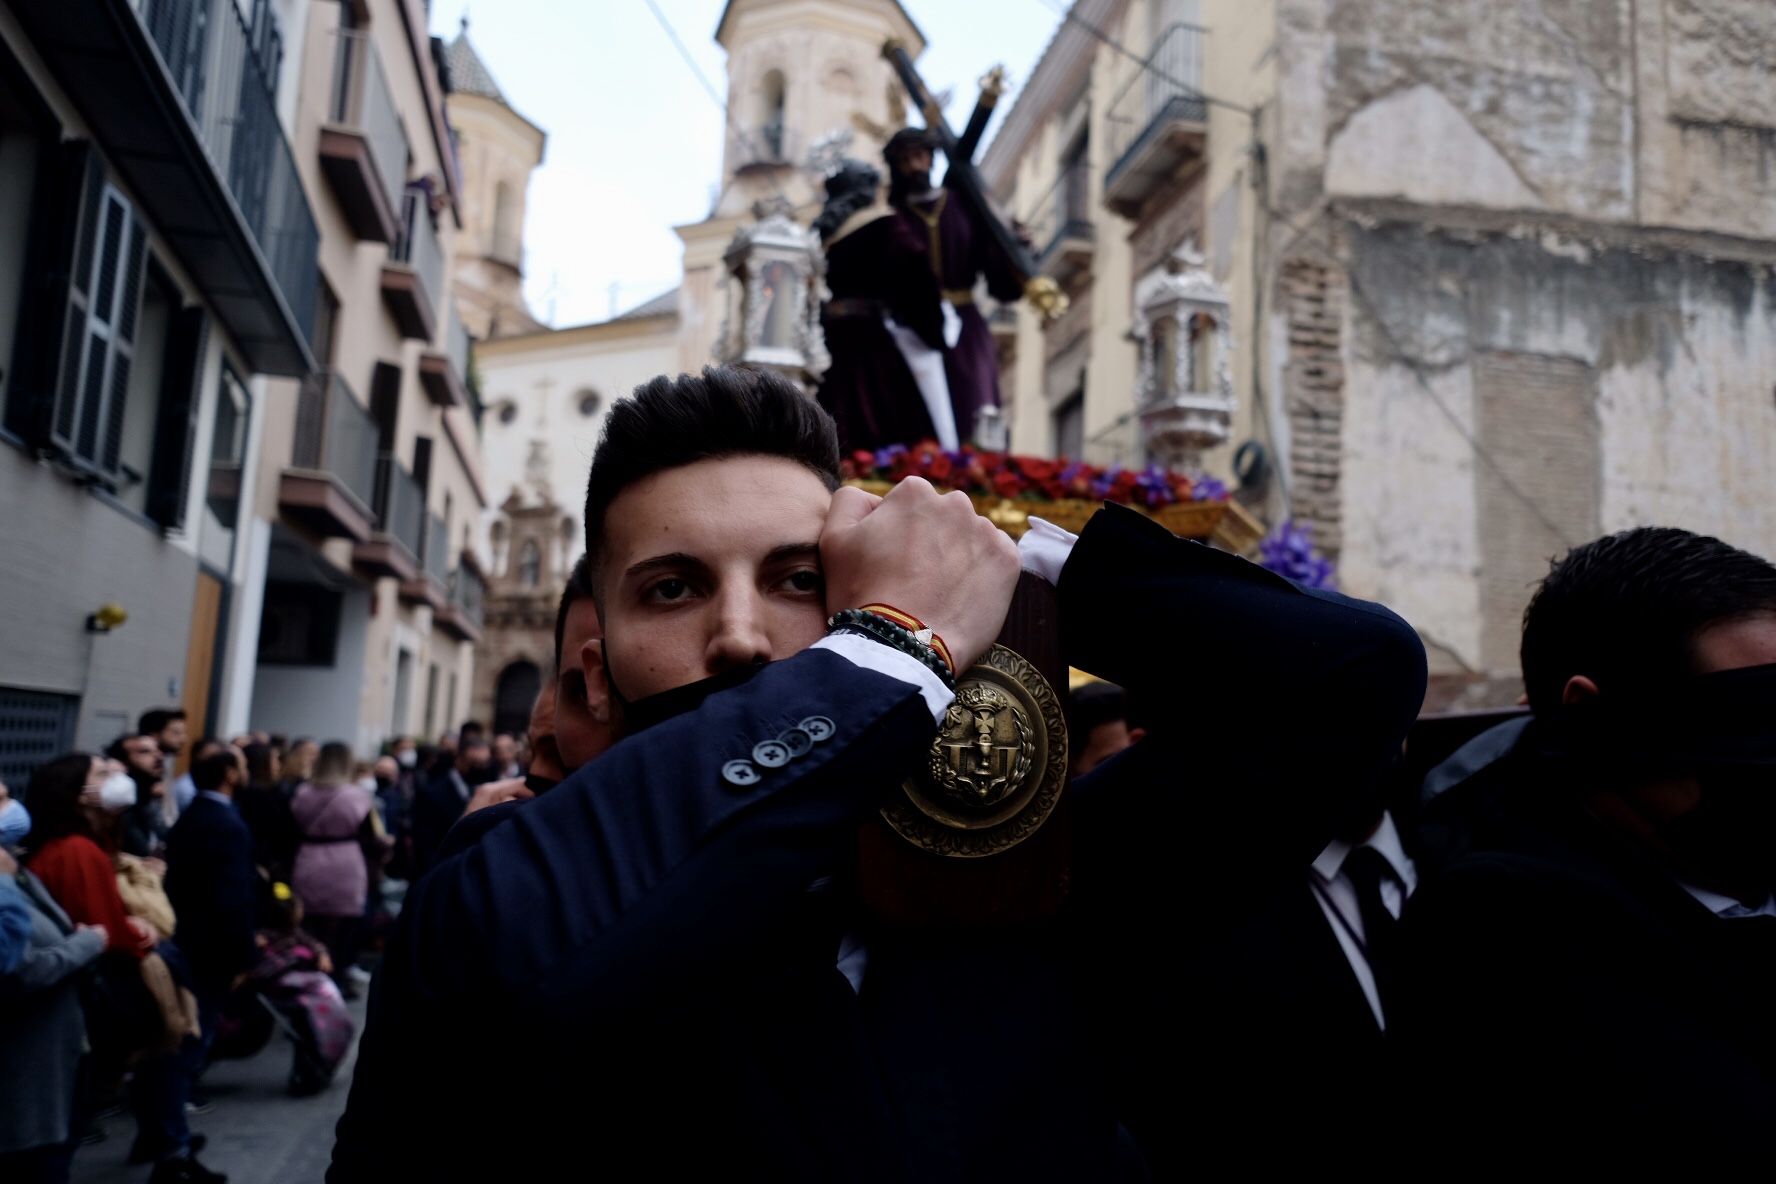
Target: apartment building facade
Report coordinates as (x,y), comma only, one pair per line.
(239,454)
(360,535)
(159,273)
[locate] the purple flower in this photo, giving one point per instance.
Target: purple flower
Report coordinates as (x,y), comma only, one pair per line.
(885,457)
(1208,489)
(1155,486)
(1289,551)
(1104,482)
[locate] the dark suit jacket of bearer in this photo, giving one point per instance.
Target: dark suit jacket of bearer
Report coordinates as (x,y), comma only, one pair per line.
(629,977)
(211,885)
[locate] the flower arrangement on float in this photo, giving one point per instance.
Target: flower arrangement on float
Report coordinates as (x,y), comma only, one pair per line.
(1008,488)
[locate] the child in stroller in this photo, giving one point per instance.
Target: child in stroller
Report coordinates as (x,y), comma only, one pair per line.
(293,983)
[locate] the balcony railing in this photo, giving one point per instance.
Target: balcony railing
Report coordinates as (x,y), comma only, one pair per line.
(467,595)
(1154,118)
(336,434)
(413,278)
(400,504)
(1066,213)
(364,148)
(225,73)
(445,376)
(435,557)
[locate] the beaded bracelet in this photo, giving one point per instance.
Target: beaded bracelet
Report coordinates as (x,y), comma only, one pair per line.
(895,636)
(921,632)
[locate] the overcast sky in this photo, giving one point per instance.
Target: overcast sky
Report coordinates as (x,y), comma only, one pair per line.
(634,141)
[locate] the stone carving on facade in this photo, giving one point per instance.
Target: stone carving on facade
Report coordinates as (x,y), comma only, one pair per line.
(1185,384)
(776,283)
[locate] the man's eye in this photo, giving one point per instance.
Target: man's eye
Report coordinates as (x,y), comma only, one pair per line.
(671,588)
(806,580)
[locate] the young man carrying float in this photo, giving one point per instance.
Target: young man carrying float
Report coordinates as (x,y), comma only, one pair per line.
(661,965)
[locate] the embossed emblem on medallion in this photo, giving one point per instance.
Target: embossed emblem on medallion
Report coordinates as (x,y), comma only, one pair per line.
(997,766)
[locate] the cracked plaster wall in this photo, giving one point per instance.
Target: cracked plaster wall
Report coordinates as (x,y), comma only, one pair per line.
(1677,353)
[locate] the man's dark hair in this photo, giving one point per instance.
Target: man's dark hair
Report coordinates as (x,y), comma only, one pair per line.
(470,729)
(1624,610)
(1092,706)
(204,742)
(726,411)
(258,763)
(209,772)
(117,749)
(154,722)
(579,587)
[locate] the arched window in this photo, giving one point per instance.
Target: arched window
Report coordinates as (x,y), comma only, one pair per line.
(505,222)
(514,694)
(530,564)
(771,119)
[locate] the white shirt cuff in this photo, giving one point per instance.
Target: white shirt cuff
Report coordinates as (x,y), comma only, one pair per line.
(1044,549)
(873,655)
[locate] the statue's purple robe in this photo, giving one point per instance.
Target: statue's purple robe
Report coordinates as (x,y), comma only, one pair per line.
(963,253)
(877,262)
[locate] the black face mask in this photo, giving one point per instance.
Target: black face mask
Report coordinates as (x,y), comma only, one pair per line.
(1730,837)
(640,714)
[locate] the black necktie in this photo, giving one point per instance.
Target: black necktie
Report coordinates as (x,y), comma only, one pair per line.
(1367,868)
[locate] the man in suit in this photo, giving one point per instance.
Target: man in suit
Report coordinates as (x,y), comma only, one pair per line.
(210,884)
(664,961)
(1590,962)
(442,800)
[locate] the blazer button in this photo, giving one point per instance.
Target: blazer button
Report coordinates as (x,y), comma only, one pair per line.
(818,728)
(772,754)
(797,741)
(740,773)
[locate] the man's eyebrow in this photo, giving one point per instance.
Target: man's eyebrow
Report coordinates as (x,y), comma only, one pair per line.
(793,551)
(674,561)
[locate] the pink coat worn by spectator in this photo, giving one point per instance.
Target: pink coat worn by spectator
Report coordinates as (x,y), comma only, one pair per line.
(331,876)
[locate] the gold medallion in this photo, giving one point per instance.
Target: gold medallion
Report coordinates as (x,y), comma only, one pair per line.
(997,766)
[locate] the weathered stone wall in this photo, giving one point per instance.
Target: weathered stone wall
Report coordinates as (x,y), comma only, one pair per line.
(1312,296)
(1603,386)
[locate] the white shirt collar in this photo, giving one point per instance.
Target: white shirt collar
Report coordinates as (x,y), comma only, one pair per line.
(1387,844)
(1727,906)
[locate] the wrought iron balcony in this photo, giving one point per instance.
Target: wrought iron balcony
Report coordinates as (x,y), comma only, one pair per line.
(330,485)
(180,97)
(429,586)
(1062,226)
(445,376)
(363,147)
(394,547)
(1158,124)
(462,617)
(413,277)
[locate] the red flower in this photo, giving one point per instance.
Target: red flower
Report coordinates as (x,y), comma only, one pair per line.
(938,468)
(1007,483)
(1037,470)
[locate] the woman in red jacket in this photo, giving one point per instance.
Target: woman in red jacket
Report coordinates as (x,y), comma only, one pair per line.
(71,799)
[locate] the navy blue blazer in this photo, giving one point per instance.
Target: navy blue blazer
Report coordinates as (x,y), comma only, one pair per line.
(636,971)
(210,883)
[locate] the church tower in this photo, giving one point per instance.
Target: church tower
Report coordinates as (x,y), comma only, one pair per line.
(497,149)
(799,72)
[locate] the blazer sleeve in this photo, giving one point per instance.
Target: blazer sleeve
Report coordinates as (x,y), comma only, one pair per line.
(237,891)
(1309,692)
(670,852)
(45,966)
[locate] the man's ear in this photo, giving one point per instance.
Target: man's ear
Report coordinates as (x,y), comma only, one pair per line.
(1578,689)
(598,697)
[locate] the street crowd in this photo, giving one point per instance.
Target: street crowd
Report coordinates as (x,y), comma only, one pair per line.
(652,928)
(152,920)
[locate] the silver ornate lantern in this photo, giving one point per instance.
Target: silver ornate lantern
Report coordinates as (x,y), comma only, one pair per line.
(776,283)
(1186,380)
